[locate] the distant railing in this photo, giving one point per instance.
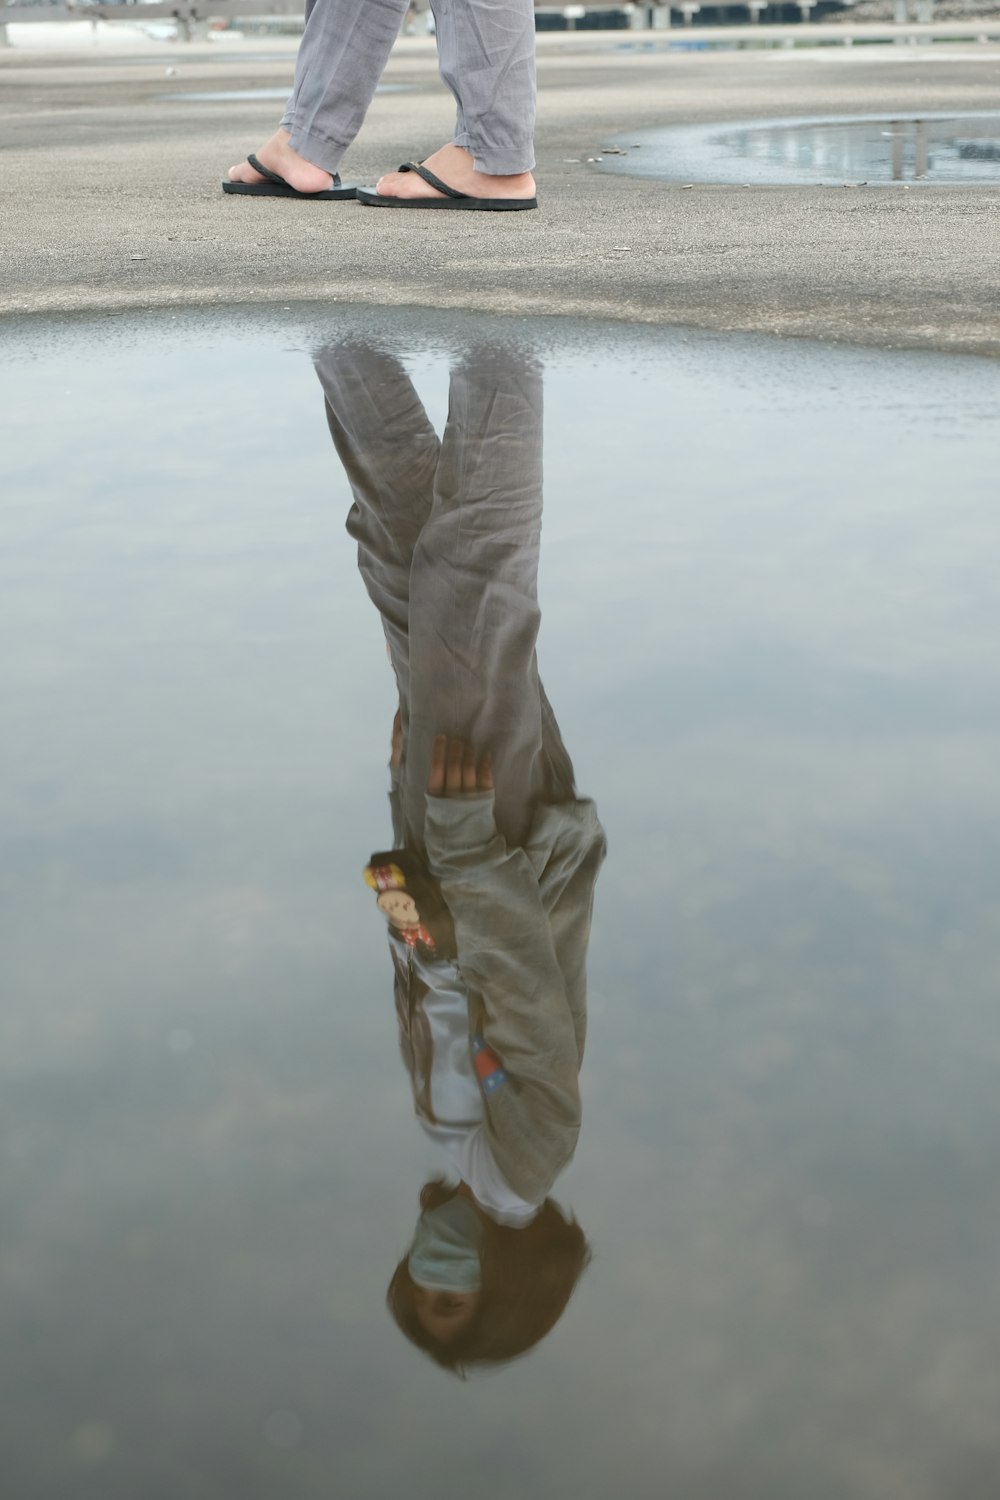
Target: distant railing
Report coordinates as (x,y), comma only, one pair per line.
(189,15)
(582,17)
(141,10)
(192,16)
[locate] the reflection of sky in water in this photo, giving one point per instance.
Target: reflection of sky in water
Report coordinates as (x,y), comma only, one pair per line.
(770,630)
(878,152)
(959,149)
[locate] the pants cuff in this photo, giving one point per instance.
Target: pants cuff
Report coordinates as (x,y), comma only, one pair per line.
(498,161)
(314,148)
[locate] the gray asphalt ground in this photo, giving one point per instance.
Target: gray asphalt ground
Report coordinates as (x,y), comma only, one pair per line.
(99,166)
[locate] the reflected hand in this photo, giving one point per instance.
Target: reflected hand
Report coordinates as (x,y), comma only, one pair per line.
(454,769)
(396,752)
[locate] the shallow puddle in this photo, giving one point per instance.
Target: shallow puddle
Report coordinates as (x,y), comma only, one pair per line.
(867,150)
(242,96)
(765,614)
(181,59)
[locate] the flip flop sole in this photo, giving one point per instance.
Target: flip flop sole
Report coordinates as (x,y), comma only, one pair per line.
(460,205)
(282,190)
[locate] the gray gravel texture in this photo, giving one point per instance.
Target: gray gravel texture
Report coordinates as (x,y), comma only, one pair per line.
(99,166)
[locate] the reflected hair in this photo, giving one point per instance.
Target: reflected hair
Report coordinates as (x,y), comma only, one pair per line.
(528,1277)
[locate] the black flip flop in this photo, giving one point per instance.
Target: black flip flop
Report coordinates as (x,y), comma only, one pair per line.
(452,198)
(277,187)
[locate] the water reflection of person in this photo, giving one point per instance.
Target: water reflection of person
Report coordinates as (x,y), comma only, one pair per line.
(489,888)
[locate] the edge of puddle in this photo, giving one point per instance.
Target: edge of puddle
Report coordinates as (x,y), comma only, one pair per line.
(874,328)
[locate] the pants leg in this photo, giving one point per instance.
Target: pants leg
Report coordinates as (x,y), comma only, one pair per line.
(487,57)
(448,538)
(474,612)
(344,50)
(390,453)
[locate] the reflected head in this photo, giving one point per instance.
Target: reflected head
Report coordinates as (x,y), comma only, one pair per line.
(528,1275)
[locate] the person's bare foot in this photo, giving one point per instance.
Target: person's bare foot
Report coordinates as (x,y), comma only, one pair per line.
(278,155)
(453,164)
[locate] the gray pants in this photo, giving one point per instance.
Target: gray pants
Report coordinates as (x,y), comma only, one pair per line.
(486,51)
(448,535)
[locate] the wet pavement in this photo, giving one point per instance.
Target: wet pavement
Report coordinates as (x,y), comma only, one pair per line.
(757,580)
(244,96)
(115,202)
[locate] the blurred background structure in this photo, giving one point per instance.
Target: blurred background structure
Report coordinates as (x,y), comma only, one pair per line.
(184,19)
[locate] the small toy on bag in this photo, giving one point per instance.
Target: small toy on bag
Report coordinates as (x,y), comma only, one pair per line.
(411,901)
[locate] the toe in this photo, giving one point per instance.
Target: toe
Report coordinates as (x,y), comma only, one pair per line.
(405,185)
(244,172)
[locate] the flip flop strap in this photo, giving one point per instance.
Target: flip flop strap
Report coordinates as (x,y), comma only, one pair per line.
(259,166)
(273,176)
(431,180)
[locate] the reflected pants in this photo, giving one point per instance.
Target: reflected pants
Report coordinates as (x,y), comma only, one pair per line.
(486,53)
(448,534)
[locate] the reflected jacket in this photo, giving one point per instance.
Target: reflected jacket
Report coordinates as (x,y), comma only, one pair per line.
(522,923)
